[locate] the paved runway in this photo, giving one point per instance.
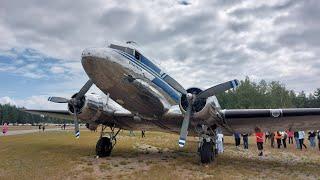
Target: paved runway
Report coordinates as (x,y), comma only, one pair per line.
(16,132)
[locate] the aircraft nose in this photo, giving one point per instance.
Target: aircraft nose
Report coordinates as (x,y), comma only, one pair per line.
(97,60)
(96,55)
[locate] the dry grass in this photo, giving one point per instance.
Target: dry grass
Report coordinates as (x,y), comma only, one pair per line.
(57,155)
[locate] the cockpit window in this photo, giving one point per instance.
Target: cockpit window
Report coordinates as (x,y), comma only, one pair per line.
(122,48)
(137,55)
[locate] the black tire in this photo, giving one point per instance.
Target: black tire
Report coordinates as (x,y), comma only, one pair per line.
(207,152)
(103,147)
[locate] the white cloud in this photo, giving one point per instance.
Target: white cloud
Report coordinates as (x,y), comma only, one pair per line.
(33,102)
(56,70)
(7,100)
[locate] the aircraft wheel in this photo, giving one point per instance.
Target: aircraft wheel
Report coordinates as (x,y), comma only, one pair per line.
(103,147)
(206,152)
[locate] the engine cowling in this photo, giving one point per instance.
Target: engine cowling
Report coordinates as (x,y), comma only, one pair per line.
(89,107)
(198,105)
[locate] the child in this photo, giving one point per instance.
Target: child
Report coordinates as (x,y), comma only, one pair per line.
(5,129)
(259,139)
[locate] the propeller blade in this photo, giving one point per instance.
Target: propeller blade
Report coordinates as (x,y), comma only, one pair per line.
(76,123)
(185,126)
(218,89)
(84,89)
(58,99)
(174,84)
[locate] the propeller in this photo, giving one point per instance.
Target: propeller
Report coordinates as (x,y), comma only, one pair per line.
(75,102)
(191,98)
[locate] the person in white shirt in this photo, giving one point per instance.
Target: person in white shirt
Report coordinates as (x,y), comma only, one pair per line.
(219,144)
(301,139)
(284,136)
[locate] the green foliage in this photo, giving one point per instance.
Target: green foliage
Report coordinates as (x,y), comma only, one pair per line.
(267,95)
(11,114)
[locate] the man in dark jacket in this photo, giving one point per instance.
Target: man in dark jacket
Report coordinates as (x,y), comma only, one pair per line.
(318,134)
(237,139)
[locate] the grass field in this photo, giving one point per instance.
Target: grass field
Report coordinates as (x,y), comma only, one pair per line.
(57,155)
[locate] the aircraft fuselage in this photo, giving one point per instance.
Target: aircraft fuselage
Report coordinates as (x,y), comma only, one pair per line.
(133,81)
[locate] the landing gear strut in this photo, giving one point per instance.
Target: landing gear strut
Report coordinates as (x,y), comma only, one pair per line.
(207,146)
(105,144)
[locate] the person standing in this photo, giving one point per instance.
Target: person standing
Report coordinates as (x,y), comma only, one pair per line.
(259,140)
(245,141)
(318,134)
(284,139)
(266,137)
(312,139)
(43,128)
(237,139)
(272,134)
(5,129)
(296,139)
(290,136)
(278,138)
(219,144)
(143,133)
(301,139)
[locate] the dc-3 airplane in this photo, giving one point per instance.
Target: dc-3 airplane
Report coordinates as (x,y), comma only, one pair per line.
(140,95)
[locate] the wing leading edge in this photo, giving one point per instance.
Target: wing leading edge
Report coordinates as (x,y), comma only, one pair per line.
(61,114)
(245,120)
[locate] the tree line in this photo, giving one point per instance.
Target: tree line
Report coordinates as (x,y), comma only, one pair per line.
(252,95)
(12,114)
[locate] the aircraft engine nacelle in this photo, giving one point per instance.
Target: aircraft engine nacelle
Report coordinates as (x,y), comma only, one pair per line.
(90,107)
(197,106)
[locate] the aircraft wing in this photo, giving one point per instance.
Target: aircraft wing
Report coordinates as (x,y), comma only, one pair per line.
(245,120)
(61,114)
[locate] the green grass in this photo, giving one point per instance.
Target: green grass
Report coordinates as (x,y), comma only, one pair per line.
(58,155)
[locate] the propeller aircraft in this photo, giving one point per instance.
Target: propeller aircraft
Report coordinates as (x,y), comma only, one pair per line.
(141,95)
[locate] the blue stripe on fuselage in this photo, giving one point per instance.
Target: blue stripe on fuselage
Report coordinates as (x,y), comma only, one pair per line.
(168,89)
(157,80)
(150,64)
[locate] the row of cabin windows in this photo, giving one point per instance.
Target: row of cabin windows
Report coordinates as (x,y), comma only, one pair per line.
(128,50)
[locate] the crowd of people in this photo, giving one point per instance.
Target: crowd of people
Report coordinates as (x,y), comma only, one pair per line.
(281,138)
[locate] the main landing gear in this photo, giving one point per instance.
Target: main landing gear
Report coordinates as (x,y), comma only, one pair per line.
(105,144)
(207,146)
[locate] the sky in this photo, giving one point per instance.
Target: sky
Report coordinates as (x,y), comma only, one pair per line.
(199,42)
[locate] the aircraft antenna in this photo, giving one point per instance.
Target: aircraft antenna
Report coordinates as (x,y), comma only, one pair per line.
(132,43)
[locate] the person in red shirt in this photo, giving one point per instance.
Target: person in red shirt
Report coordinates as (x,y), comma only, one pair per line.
(259,139)
(290,135)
